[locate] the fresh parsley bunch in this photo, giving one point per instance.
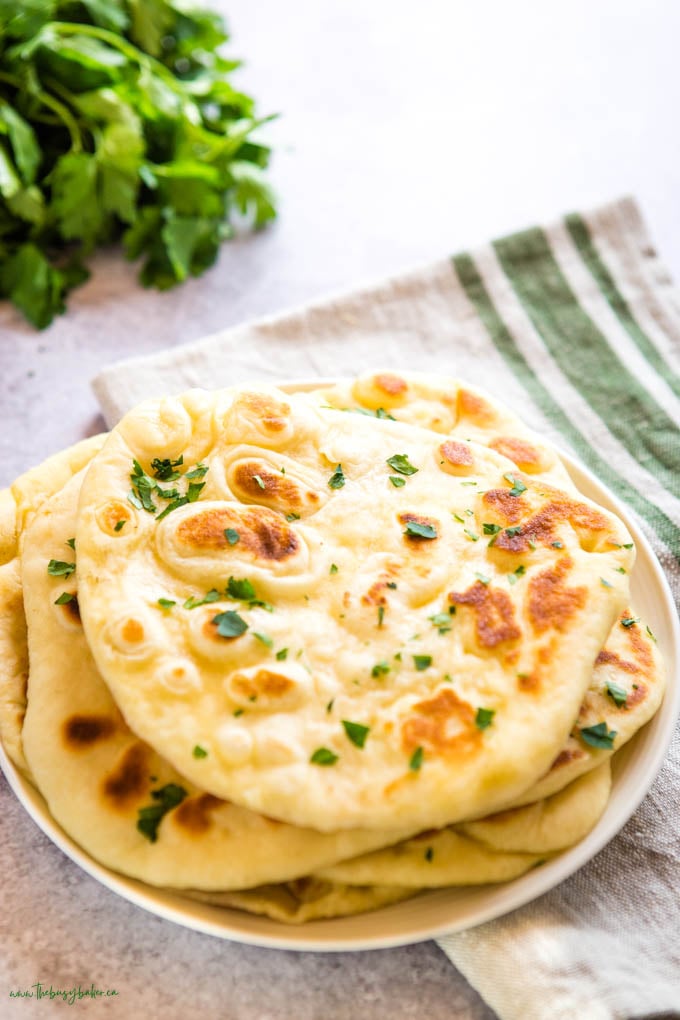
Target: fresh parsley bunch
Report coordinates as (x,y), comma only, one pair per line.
(117,119)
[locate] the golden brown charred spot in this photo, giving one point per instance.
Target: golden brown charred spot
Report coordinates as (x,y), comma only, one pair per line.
(82,731)
(495,616)
(519,451)
(508,509)
(111,514)
(263,532)
(130,779)
(193,814)
(566,756)
(551,603)
(273,685)
(392,385)
(456,455)
(255,482)
(430,726)
(607,658)
(409,518)
(270,413)
(542,527)
(71,609)
(132,631)
(475,408)
(375,596)
(528,682)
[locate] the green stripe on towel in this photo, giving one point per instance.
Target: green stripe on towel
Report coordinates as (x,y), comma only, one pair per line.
(477,293)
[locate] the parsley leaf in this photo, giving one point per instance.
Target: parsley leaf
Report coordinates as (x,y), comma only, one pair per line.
(401,464)
(416,759)
(397,481)
(415,530)
(323,756)
(484,717)
(194,600)
(149,818)
(422,662)
(599,736)
(518,487)
(337,479)
(58,568)
(199,752)
(356,732)
(64,598)
(618,694)
(380,669)
(241,589)
(231,536)
(230,624)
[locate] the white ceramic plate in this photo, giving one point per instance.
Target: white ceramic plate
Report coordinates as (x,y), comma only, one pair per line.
(448,910)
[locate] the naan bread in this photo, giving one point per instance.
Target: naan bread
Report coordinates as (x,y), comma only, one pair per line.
(372,686)
(625,691)
(307,899)
(451,407)
(16,508)
(96,775)
(547,825)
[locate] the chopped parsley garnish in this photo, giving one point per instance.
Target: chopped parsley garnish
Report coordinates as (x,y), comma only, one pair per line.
(337,479)
(483,578)
(164,470)
(457,517)
(200,471)
(381,615)
(518,487)
(149,818)
(292,517)
(323,756)
(515,530)
(491,529)
(484,717)
(238,711)
(605,584)
(380,669)
(627,545)
(356,732)
(416,759)
(333,568)
(532,544)
(194,491)
(199,752)
(468,483)
(119,525)
(282,654)
(514,577)
(557,545)
(258,479)
(58,568)
(166,603)
(429,854)
(442,621)
(620,570)
(392,584)
(142,487)
(422,662)
(175,505)
(382,413)
(401,464)
(329,706)
(471,535)
(240,588)
(415,530)
(230,624)
(71,542)
(650,633)
(397,481)
(232,536)
(194,600)
(264,638)
(64,598)
(630,621)
(617,693)
(599,736)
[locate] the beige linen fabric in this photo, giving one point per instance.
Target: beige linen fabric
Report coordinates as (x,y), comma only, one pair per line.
(577,328)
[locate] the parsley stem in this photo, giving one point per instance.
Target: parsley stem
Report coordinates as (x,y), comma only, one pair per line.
(62,112)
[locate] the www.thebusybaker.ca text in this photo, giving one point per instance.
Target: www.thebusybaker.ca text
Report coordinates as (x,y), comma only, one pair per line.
(69,995)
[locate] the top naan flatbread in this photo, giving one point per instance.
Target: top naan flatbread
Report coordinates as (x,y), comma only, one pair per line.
(506,589)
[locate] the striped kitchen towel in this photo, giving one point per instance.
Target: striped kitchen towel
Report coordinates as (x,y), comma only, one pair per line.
(576,327)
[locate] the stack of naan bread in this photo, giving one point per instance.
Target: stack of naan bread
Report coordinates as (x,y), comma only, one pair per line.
(307,654)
